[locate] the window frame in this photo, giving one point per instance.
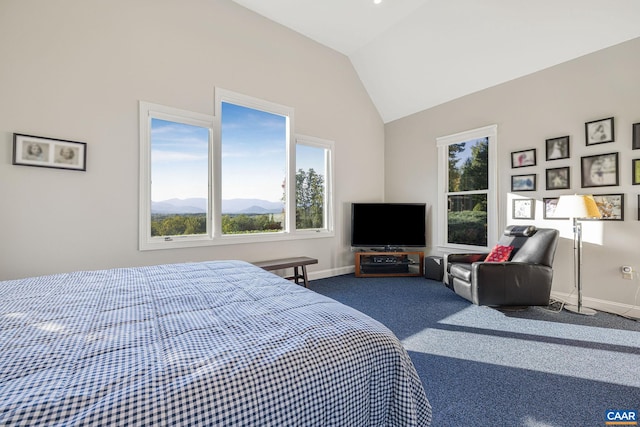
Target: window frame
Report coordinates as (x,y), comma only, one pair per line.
(329,212)
(149,111)
(214,236)
(224,95)
(443,143)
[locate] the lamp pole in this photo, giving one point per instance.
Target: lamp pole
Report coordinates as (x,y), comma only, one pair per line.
(577,269)
(575,207)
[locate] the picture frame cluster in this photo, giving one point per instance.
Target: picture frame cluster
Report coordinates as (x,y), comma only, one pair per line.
(597,170)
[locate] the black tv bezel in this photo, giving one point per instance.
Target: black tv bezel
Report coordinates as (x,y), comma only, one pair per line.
(394,246)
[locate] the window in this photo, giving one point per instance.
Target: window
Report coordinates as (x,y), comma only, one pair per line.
(174,175)
(233,178)
(466,189)
(253,183)
(313,184)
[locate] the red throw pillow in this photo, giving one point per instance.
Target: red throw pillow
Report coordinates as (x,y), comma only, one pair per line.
(499,253)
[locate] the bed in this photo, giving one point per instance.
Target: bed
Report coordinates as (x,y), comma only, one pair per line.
(212,343)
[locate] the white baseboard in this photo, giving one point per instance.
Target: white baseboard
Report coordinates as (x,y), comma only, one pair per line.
(620,309)
(323,274)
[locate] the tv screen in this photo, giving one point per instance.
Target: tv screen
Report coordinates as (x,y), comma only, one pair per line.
(388,225)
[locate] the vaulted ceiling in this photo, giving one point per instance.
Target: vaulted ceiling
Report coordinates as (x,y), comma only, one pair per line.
(415,54)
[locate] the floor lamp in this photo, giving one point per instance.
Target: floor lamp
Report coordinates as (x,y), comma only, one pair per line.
(577,207)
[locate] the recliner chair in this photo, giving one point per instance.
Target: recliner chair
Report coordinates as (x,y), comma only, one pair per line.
(523,280)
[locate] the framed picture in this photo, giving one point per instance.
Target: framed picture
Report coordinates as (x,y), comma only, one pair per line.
(549,209)
(523,182)
(635,171)
(635,144)
(611,206)
(520,159)
(599,131)
(557,148)
(29,150)
(523,208)
(558,178)
(600,170)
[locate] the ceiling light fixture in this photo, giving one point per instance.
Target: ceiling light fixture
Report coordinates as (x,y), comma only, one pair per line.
(377,1)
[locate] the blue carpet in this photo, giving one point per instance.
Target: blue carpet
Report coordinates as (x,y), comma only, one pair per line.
(480,366)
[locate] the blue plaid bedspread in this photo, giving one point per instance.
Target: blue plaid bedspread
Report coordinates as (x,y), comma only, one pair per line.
(216,343)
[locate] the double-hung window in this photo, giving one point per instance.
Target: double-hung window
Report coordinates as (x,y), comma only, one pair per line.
(235,177)
(467,214)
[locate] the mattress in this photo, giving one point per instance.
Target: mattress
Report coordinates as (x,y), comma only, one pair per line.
(213,343)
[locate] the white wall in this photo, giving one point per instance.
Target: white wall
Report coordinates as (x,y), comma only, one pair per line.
(75,70)
(551,103)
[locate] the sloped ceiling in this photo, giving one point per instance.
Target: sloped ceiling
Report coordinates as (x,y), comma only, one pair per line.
(415,54)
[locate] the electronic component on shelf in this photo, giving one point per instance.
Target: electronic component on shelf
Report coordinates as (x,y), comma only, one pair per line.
(379,264)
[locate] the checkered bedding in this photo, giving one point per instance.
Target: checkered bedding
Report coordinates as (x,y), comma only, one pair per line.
(216,343)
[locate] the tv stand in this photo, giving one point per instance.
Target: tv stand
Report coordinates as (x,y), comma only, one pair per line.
(388,264)
(387,249)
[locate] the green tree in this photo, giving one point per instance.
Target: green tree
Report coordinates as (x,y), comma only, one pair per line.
(242,224)
(454,171)
(175,225)
(309,199)
(475,169)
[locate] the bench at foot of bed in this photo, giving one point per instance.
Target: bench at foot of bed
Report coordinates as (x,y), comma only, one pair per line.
(295,263)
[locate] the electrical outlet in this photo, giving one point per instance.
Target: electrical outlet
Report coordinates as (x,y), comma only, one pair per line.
(627,272)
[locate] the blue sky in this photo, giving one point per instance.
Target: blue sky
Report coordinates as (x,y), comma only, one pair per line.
(179,159)
(309,157)
(253,156)
(253,153)
(466,153)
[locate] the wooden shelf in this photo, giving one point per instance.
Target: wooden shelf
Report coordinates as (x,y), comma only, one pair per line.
(389,264)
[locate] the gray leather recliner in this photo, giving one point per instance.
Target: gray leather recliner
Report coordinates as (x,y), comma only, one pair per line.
(524,280)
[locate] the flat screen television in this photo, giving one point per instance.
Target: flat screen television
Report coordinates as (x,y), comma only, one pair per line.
(389,226)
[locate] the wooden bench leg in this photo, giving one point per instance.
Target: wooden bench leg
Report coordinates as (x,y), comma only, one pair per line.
(297,276)
(304,276)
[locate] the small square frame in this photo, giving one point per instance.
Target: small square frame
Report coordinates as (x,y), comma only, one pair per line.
(523,209)
(600,170)
(550,205)
(558,178)
(599,131)
(523,158)
(635,141)
(557,148)
(635,171)
(29,150)
(611,207)
(523,182)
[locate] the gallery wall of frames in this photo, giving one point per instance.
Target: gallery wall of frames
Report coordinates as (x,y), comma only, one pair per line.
(597,170)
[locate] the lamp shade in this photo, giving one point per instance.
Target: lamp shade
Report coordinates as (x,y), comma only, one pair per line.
(577,206)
